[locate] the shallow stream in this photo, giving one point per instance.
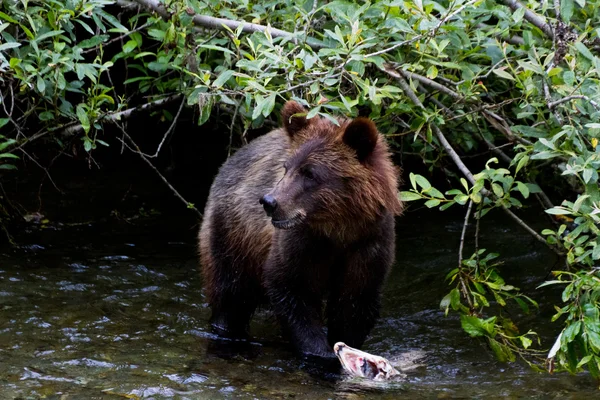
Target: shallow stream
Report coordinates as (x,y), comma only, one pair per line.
(115,310)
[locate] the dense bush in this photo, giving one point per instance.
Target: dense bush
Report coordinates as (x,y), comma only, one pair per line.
(442,79)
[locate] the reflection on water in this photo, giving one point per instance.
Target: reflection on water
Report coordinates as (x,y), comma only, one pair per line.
(116,311)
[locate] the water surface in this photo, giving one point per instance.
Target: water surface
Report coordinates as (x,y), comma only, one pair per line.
(115,310)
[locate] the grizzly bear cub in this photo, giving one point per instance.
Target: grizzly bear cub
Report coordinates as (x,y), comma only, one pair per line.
(302,214)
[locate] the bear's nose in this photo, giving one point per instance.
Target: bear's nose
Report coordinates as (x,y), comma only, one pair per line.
(269,203)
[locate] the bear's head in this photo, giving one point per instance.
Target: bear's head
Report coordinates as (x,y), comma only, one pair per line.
(336,176)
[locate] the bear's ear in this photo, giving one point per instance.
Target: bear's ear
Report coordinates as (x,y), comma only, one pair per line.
(291,122)
(361,135)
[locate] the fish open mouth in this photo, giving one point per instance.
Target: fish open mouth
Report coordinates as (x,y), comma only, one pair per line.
(362,364)
(287,223)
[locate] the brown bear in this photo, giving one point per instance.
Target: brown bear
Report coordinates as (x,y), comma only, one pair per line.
(326,232)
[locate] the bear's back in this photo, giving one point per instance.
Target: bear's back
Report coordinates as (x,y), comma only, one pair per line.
(233,211)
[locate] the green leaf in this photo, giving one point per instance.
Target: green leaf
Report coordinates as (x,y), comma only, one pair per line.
(410,196)
(413,180)
(497,189)
(421,181)
(472,325)
(584,361)
(7,166)
(523,189)
(312,113)
(432,203)
(433,192)
(8,155)
(205,103)
(502,352)
(566,10)
(83,118)
(4,121)
(9,45)
(87,145)
(558,211)
(596,252)
(129,46)
(587,174)
(47,35)
(461,199)
(432,72)
(594,339)
(224,77)
(7,143)
(571,332)
(41,85)
(503,74)
(569,77)
(525,342)
(217,48)
(584,51)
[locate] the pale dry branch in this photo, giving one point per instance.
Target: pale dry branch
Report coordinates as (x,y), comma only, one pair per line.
(432,84)
(223,24)
(532,17)
(595,104)
(113,117)
(460,257)
(456,158)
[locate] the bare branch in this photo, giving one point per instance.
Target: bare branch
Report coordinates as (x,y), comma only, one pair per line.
(456,158)
(171,127)
(445,144)
(73,129)
(224,24)
(502,126)
(460,258)
(595,104)
(532,17)
(432,84)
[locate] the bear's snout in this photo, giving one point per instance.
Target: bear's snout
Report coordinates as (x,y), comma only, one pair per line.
(269,204)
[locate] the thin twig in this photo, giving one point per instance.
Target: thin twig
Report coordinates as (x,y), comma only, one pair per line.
(139,28)
(171,127)
(460,257)
(235,113)
(147,161)
(43,169)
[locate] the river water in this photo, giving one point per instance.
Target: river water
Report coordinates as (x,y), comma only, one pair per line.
(114,310)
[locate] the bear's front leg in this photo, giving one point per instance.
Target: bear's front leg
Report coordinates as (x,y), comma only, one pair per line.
(293,285)
(354,302)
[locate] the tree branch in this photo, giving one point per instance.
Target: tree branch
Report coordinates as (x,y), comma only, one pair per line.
(223,24)
(553,104)
(73,129)
(456,158)
(432,84)
(460,258)
(532,17)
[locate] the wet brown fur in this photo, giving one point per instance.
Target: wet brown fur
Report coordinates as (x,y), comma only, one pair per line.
(243,255)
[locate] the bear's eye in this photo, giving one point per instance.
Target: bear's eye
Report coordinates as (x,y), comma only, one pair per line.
(307,173)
